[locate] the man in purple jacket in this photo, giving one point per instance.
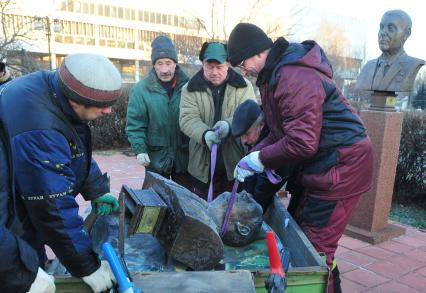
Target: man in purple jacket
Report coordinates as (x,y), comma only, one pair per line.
(311,124)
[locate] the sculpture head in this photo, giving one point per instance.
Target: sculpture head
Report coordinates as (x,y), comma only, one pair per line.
(395,28)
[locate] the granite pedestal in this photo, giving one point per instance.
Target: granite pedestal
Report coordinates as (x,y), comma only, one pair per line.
(369,221)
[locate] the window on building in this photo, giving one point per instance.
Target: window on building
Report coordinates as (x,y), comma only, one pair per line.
(176,20)
(70,6)
(68,40)
(152,17)
(133,16)
(146,16)
(127,13)
(113,11)
(77,6)
(164,19)
(92,9)
(140,15)
(79,40)
(107,10)
(158,18)
(100,10)
(120,12)
(90,41)
(85,7)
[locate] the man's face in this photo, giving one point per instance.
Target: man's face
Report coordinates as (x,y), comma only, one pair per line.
(252,135)
(215,72)
(89,113)
(165,69)
(252,66)
(392,34)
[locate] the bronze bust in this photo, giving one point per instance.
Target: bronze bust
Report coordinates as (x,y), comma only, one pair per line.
(394,70)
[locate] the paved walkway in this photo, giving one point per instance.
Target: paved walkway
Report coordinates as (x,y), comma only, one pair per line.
(398,265)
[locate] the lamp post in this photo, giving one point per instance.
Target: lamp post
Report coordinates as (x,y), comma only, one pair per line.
(45,23)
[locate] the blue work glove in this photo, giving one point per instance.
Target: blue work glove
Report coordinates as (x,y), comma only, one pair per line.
(211,138)
(105,204)
(223,128)
(247,166)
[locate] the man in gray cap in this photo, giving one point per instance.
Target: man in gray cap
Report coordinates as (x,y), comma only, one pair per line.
(208,104)
(45,115)
(153,116)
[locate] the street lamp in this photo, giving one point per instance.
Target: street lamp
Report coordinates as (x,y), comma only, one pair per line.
(45,23)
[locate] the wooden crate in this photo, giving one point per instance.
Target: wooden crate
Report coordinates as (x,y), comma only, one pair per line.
(308,273)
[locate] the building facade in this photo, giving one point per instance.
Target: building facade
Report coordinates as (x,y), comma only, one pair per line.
(121,30)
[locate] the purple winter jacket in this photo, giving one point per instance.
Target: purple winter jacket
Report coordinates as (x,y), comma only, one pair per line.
(312,124)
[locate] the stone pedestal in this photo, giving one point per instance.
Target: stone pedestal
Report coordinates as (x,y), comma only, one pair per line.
(369,221)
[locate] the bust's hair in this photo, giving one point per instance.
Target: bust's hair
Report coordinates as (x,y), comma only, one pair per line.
(404,16)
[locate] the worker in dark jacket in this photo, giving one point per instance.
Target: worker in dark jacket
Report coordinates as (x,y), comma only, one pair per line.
(45,114)
(249,124)
(311,124)
(19,265)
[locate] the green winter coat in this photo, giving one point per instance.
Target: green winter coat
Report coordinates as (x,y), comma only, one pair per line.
(153,124)
(197,116)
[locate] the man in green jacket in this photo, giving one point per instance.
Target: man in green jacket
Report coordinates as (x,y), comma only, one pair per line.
(153,116)
(208,104)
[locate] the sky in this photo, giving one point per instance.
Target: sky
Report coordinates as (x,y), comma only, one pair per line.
(370,13)
(359,19)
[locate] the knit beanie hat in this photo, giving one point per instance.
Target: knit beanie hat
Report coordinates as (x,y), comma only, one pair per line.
(90,79)
(162,47)
(245,41)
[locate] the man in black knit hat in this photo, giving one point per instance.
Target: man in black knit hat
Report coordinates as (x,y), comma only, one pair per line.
(312,125)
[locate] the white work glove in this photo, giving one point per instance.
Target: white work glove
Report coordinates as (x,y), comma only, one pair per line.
(223,127)
(102,279)
(210,137)
(247,166)
(143,159)
(43,283)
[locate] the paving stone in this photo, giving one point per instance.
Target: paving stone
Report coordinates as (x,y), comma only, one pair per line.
(345,266)
(351,287)
(393,287)
(410,240)
(414,281)
(366,278)
(376,252)
(417,254)
(352,243)
(396,247)
(357,258)
(395,267)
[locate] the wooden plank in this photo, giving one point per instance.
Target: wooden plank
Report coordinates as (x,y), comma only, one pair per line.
(189,282)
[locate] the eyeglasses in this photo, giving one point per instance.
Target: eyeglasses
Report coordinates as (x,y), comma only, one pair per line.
(241,65)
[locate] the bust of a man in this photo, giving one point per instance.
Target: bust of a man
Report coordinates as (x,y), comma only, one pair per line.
(394,70)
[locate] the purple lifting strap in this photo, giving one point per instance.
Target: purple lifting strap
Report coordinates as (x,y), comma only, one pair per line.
(273,178)
(213,157)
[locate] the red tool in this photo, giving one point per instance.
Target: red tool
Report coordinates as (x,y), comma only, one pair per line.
(277,280)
